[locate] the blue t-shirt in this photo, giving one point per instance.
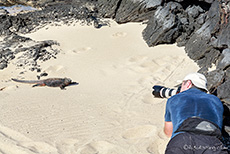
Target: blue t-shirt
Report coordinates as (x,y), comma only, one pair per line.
(193,102)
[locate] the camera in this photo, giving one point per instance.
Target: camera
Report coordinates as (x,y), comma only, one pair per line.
(163,92)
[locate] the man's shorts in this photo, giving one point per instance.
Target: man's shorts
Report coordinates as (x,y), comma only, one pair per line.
(187,143)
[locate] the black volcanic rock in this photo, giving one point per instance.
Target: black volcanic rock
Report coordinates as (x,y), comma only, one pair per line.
(224,61)
(223,90)
(16,2)
(67,13)
(214,78)
(5,24)
(3,63)
(135,12)
(228,72)
(199,43)
(207,1)
(29,2)
(212,36)
(123,11)
(108,8)
(209,58)
(223,36)
(184,18)
(163,26)
(30,51)
(193,11)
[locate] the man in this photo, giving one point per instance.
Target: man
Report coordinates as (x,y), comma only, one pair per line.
(193,119)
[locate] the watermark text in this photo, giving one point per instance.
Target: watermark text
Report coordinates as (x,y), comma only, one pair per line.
(204,147)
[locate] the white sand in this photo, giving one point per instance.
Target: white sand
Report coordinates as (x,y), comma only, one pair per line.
(111,111)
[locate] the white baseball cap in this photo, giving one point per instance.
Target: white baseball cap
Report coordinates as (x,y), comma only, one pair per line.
(198,79)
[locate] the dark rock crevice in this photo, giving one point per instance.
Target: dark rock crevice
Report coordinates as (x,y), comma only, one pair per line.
(117,8)
(185,3)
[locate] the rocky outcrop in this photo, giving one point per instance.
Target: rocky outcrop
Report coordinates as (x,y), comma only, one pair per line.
(123,11)
(18,2)
(25,52)
(34,3)
(164,27)
(67,13)
(43,3)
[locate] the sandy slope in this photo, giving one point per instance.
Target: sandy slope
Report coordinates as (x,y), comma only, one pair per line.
(111,111)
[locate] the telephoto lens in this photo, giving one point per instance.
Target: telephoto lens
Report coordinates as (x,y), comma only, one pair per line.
(163,92)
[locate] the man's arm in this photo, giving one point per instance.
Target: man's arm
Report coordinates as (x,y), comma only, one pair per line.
(168,128)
